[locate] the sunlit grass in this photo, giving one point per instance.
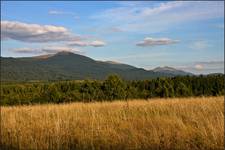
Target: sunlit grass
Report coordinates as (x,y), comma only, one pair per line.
(187,123)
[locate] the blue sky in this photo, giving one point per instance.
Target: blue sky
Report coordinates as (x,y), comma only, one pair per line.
(185,35)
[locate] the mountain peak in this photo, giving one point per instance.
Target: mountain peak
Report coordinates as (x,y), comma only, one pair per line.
(61,53)
(66,65)
(165,68)
(170,70)
(64,53)
(43,56)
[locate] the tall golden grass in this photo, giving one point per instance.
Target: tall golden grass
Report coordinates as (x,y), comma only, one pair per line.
(186,123)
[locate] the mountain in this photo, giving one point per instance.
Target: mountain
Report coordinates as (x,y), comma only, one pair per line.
(170,70)
(69,66)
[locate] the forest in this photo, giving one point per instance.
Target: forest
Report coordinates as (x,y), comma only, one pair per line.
(112,88)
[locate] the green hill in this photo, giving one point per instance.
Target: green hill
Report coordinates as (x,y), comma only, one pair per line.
(69,66)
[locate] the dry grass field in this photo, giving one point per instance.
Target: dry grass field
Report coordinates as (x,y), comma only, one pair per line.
(186,123)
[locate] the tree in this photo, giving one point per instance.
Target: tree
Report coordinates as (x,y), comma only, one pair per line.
(52,94)
(182,90)
(87,90)
(114,87)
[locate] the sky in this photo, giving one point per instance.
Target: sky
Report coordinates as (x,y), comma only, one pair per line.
(187,35)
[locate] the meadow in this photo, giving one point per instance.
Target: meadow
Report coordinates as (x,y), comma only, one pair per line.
(159,123)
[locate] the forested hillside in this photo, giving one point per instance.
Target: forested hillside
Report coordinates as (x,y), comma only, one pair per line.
(110,89)
(70,66)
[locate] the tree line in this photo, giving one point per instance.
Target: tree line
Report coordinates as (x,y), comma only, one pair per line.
(113,88)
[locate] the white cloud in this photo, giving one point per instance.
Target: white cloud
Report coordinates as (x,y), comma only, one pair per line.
(163,7)
(96,43)
(60,12)
(26,50)
(55,49)
(55,12)
(46,49)
(156,41)
(209,65)
(78,43)
(198,66)
(155,18)
(204,67)
(34,32)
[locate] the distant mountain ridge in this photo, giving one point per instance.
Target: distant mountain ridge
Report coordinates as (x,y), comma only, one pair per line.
(70,66)
(170,70)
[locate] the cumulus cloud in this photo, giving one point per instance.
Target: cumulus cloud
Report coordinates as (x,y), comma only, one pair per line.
(96,43)
(34,32)
(148,41)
